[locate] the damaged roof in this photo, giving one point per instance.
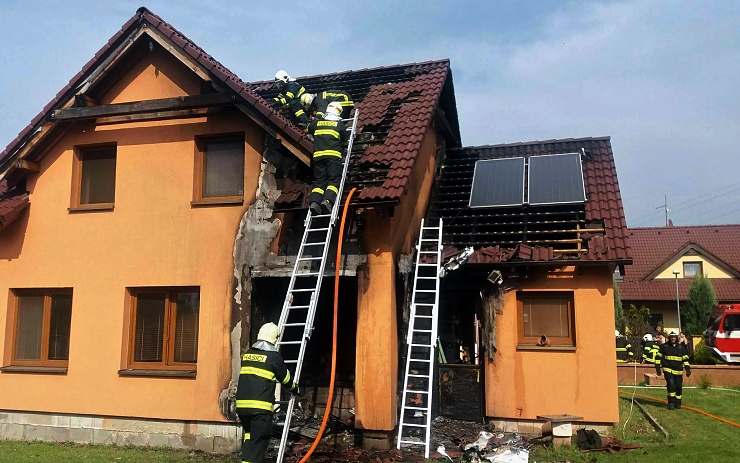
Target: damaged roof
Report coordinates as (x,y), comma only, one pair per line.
(592,232)
(655,248)
(397,104)
(12,203)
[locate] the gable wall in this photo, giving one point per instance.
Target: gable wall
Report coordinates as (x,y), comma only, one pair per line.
(153,237)
(710,269)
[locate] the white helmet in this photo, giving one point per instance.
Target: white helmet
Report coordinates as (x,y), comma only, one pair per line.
(647,337)
(307,99)
(617,334)
(268,332)
(334,109)
(282,76)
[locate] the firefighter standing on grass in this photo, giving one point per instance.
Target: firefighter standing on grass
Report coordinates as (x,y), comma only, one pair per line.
(290,95)
(673,359)
(262,365)
(329,134)
(624,348)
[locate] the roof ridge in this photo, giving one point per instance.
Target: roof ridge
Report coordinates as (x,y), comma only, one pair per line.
(677,227)
(377,68)
(537,142)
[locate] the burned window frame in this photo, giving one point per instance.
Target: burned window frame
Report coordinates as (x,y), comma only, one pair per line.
(563,296)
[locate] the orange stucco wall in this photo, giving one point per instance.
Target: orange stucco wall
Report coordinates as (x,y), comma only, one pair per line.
(153,237)
(522,384)
(376,371)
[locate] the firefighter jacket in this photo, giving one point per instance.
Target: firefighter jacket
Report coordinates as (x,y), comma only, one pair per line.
(624,350)
(292,97)
(328,136)
(673,359)
(323,99)
(649,351)
(262,365)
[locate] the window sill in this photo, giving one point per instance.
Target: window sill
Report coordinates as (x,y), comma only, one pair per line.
(32,369)
(159,373)
(92,208)
(532,347)
(217,202)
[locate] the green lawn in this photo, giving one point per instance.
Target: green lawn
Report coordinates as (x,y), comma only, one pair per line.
(692,438)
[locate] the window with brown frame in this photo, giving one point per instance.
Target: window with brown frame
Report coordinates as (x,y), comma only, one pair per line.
(40,323)
(219,169)
(94,177)
(549,314)
(164,328)
(692,269)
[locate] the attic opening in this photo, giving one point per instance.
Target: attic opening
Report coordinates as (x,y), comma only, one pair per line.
(268,294)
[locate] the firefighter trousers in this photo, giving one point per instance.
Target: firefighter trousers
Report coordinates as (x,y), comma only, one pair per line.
(327,173)
(257,431)
(674,384)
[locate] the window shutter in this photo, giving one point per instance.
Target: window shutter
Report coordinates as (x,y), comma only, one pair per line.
(224,168)
(29,328)
(60,319)
(186,328)
(150,313)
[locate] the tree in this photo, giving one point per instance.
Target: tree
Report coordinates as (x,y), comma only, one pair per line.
(637,320)
(698,306)
(620,323)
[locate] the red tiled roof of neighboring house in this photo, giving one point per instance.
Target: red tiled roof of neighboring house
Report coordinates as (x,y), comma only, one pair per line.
(215,69)
(12,203)
(397,104)
(533,234)
(655,247)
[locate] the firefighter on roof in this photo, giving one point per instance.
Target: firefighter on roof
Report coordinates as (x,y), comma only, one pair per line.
(315,103)
(290,94)
(329,134)
(262,365)
(673,359)
(624,348)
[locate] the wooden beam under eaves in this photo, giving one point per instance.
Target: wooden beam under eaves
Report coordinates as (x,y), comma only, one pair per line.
(144,107)
(27,165)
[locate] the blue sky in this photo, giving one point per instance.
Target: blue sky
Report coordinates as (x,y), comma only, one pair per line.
(659,77)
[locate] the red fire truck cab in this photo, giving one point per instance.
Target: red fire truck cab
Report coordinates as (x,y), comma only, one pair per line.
(724,334)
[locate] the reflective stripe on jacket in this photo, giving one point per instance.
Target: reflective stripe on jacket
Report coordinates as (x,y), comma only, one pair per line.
(259,372)
(672,358)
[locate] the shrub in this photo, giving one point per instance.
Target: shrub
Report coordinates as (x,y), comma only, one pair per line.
(705,382)
(703,355)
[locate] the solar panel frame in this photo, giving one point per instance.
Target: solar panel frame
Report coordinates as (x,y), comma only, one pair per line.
(475,173)
(581,190)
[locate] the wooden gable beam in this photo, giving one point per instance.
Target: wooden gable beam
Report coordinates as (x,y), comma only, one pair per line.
(144,107)
(30,166)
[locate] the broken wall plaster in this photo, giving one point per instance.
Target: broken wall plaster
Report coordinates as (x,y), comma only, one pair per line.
(257,229)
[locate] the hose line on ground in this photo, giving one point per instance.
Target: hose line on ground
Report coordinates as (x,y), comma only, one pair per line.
(334,334)
(701,412)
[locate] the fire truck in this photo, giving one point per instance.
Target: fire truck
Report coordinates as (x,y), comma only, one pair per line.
(723,336)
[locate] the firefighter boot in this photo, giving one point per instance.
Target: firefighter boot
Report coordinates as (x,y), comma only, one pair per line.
(315,208)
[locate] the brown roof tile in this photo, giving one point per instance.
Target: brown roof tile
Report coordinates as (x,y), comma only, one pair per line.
(396,105)
(12,203)
(654,247)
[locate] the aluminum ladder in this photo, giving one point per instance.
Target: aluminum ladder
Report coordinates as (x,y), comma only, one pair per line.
(414,426)
(297,317)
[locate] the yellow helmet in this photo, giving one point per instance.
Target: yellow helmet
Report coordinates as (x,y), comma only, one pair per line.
(268,332)
(307,99)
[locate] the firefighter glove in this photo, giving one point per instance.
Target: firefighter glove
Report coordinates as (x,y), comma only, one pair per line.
(688,371)
(657,370)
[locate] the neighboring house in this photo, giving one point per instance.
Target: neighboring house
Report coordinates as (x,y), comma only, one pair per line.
(556,254)
(149,219)
(711,250)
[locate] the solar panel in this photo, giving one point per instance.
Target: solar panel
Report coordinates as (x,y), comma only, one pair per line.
(556,179)
(498,182)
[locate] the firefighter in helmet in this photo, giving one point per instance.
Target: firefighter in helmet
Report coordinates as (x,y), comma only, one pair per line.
(673,360)
(624,348)
(290,96)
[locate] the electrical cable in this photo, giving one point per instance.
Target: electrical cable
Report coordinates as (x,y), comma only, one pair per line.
(330,395)
(701,412)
